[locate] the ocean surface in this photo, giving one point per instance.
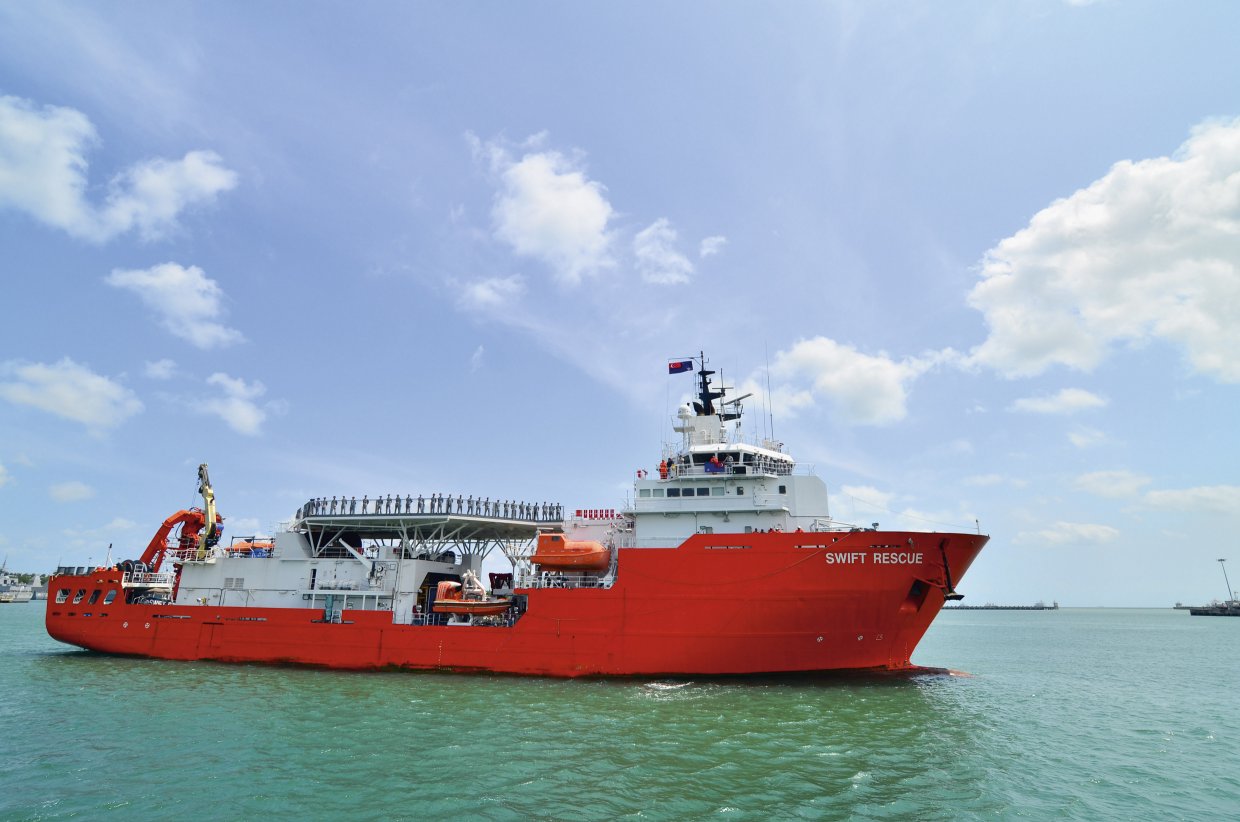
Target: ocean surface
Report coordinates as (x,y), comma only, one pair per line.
(1089,714)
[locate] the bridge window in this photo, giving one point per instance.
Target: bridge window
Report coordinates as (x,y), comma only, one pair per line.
(81,592)
(111,596)
(717,491)
(643,492)
(658,492)
(94,596)
(673,492)
(62,595)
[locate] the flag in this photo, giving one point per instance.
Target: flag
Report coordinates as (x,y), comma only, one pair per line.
(679,366)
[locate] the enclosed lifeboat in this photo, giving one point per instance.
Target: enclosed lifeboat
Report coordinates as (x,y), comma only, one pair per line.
(450,598)
(555,552)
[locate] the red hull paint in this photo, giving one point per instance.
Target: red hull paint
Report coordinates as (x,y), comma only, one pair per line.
(717,604)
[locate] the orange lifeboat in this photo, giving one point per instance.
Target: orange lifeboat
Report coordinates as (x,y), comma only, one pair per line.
(259,547)
(450,599)
(554,551)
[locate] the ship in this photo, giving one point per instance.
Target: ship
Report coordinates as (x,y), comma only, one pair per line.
(1226,607)
(12,589)
(723,561)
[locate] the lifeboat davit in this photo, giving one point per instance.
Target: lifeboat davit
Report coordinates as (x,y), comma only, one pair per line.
(554,551)
(449,599)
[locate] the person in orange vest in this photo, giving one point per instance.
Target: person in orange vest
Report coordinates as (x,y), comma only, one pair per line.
(662,469)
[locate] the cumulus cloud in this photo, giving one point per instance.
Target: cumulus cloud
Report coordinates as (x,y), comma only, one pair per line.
(1112,484)
(1151,251)
(712,246)
(185,300)
(548,209)
(862,501)
(494,292)
(1069,533)
(43,172)
(1211,499)
(1086,437)
(658,261)
(71,491)
(865,389)
(70,391)
(160,369)
(235,403)
(1067,401)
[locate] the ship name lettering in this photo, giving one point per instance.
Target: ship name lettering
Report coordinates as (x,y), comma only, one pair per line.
(846,559)
(896,558)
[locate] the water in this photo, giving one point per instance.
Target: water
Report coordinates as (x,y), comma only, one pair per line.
(1076,714)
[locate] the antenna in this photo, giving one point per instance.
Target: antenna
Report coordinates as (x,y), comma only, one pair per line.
(769,409)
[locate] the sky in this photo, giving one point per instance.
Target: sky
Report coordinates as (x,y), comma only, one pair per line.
(985,255)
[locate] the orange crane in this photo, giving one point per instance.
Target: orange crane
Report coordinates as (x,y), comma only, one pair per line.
(193,535)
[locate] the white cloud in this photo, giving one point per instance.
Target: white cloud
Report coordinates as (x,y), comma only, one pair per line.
(865,389)
(1086,437)
(1112,484)
(71,491)
(235,405)
(1212,499)
(495,292)
(5,476)
(1151,251)
(1068,533)
(91,536)
(712,246)
(658,261)
(71,391)
(548,209)
(43,173)
(186,301)
(475,359)
(862,501)
(1067,401)
(244,526)
(160,369)
(985,480)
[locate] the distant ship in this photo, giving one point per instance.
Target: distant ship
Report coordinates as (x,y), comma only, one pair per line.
(724,561)
(11,590)
(1226,607)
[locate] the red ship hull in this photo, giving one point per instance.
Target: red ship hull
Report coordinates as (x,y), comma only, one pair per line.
(717,604)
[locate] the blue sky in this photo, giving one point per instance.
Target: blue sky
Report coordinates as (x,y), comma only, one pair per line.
(990,252)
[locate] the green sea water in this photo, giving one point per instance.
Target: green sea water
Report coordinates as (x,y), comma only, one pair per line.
(1074,714)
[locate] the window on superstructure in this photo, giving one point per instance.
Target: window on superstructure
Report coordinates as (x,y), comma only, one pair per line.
(111,596)
(706,529)
(783,489)
(717,491)
(94,596)
(673,492)
(643,492)
(658,492)
(62,595)
(740,492)
(703,492)
(81,592)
